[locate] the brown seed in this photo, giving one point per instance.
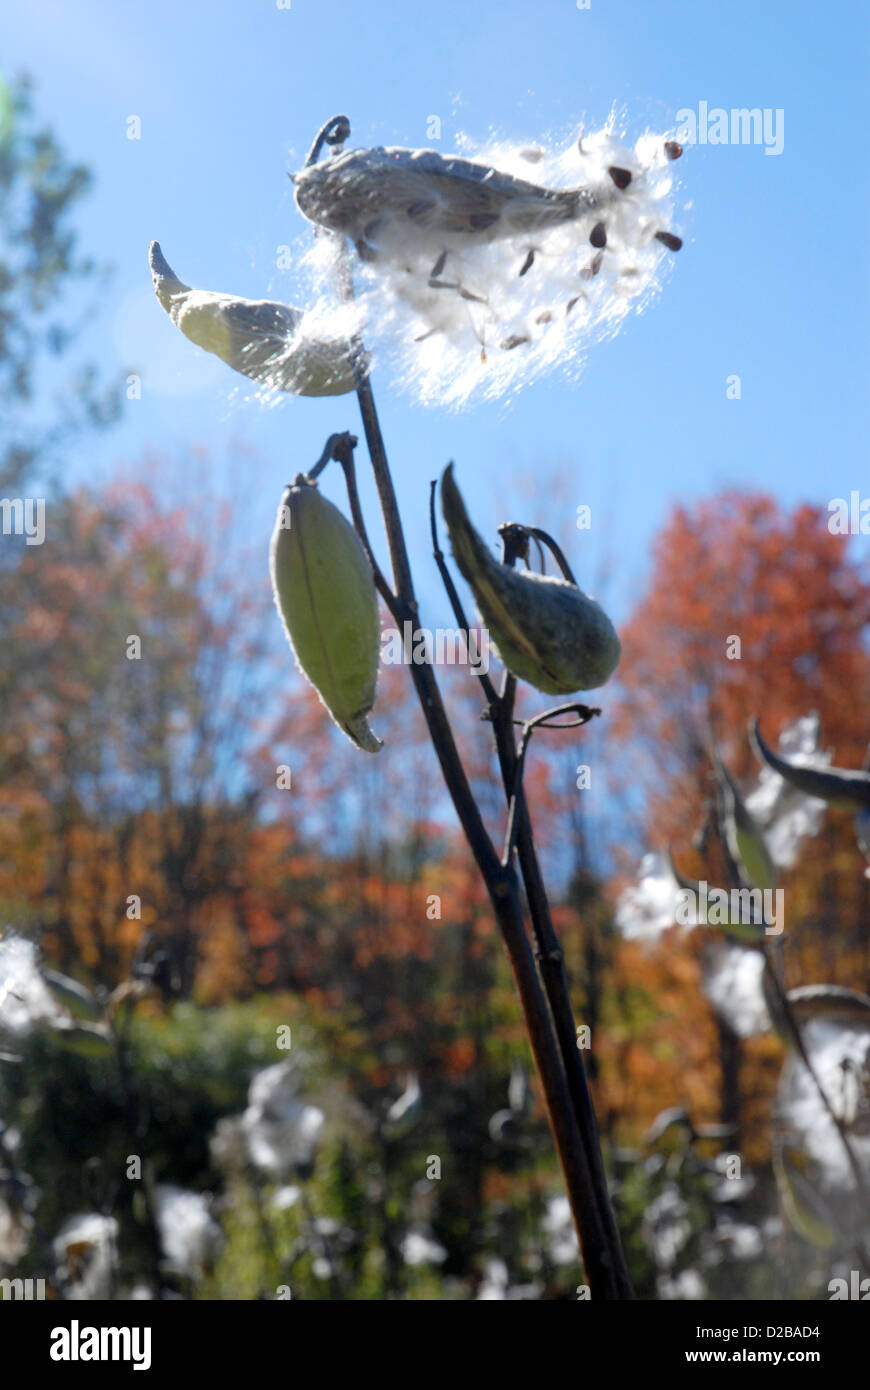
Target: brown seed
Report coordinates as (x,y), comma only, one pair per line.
(571,303)
(438,266)
(515,340)
(673,243)
(475,298)
(528,262)
(482,221)
(672,149)
(598,236)
(545,317)
(621,177)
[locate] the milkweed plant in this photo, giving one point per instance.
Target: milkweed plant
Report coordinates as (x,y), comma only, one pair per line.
(468,277)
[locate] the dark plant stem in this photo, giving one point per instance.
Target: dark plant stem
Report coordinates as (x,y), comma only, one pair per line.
(551,960)
(503,888)
(549,952)
(135,1121)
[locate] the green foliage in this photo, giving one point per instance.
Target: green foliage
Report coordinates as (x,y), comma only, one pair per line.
(39,263)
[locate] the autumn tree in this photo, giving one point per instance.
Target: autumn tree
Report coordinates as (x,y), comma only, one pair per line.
(750,610)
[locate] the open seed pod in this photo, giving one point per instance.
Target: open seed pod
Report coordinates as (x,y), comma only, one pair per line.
(546,630)
(848,788)
(744,837)
(270,342)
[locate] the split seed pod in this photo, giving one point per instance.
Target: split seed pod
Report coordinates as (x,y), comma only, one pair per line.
(364,190)
(743,836)
(261,338)
(546,630)
(848,788)
(324,590)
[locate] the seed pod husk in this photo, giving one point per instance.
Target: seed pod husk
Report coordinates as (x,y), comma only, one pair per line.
(546,630)
(446,194)
(844,787)
(73,996)
(87,1039)
(800,1187)
(261,338)
(324,590)
(743,835)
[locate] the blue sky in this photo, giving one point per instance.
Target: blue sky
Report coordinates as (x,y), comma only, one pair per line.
(772,283)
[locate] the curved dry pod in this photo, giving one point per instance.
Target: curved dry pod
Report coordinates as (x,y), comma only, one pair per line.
(73,995)
(261,338)
(546,630)
(743,835)
(844,787)
(324,590)
(799,1182)
(446,194)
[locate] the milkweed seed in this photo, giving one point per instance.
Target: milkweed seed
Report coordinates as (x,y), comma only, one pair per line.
(528,262)
(598,236)
(672,149)
(621,177)
(673,243)
(591,270)
(482,221)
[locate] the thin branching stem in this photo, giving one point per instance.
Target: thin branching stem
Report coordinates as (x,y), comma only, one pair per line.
(548,950)
(603,1269)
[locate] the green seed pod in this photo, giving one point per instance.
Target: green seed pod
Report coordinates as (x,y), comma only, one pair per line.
(546,630)
(325,593)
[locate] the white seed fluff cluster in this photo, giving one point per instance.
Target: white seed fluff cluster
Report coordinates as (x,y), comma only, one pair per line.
(25,1000)
(787,816)
(646,909)
(191,1239)
(731,980)
(840,1055)
(482,271)
(281,1130)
